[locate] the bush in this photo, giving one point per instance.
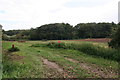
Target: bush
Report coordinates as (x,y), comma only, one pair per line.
(98,51)
(13,49)
(115,42)
(56,45)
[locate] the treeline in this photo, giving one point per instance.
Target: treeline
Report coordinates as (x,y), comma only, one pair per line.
(13,35)
(62,31)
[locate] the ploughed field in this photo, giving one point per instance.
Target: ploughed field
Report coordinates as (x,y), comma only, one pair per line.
(60,59)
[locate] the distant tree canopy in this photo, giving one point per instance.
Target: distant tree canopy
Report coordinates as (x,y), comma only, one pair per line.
(56,31)
(62,31)
(93,30)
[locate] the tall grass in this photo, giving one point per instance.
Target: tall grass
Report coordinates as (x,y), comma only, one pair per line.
(90,49)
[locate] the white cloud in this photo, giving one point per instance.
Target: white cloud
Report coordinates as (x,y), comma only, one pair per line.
(24,14)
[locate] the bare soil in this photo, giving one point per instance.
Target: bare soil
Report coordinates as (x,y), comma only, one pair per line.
(11,56)
(52,65)
(15,57)
(55,70)
(97,71)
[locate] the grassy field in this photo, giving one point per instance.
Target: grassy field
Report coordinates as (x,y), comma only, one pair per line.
(43,61)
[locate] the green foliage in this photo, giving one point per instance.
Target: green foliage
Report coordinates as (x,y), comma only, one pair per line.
(62,31)
(89,49)
(13,49)
(94,30)
(21,64)
(14,70)
(57,45)
(115,42)
(56,31)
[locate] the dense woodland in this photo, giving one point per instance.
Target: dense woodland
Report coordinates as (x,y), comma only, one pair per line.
(62,31)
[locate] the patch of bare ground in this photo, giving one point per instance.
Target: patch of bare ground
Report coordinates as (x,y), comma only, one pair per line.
(95,70)
(15,57)
(55,71)
(11,56)
(52,65)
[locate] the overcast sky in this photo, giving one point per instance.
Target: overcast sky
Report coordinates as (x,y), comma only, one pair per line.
(24,14)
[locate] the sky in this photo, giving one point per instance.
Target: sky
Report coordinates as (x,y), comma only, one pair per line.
(26,14)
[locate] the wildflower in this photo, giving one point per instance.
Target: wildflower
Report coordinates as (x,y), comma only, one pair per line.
(59,41)
(13,46)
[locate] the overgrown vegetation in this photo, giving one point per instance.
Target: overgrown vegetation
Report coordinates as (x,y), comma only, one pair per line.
(13,49)
(89,49)
(115,42)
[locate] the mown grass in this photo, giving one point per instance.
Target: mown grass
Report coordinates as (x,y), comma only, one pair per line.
(27,67)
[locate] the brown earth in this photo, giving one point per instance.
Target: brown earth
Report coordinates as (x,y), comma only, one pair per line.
(52,65)
(11,56)
(15,57)
(97,71)
(55,70)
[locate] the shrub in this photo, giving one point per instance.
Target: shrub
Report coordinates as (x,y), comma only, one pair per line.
(115,42)
(56,45)
(98,51)
(13,49)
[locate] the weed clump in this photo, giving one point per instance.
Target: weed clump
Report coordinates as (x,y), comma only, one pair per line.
(56,45)
(13,49)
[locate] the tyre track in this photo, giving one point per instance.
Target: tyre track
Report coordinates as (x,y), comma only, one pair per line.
(100,72)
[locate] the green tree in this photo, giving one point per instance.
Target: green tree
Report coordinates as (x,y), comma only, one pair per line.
(115,42)
(94,30)
(56,31)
